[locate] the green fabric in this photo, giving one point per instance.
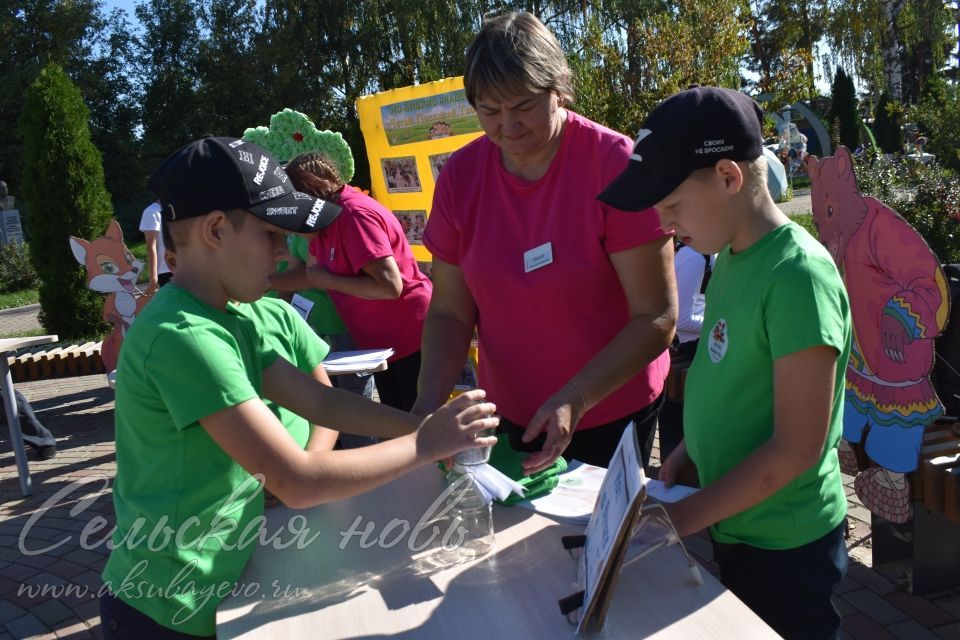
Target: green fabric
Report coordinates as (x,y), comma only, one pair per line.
(780,296)
(182,361)
(294,341)
(323,316)
(509,462)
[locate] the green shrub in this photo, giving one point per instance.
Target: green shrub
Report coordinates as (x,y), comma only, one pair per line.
(886,124)
(16,271)
(844,122)
(937,116)
(63,182)
(927,196)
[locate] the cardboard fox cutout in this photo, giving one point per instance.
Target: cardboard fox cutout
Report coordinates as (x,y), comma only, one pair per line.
(899,302)
(113,270)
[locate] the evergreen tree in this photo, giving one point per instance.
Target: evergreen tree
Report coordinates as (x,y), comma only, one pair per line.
(63,184)
(886,124)
(844,126)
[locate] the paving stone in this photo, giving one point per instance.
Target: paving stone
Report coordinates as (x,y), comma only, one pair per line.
(843,607)
(38,561)
(82,557)
(28,626)
(52,612)
(950,603)
(861,627)
(18,572)
(911,630)
(948,632)
(870,579)
(9,611)
(921,610)
(65,569)
(874,606)
(847,584)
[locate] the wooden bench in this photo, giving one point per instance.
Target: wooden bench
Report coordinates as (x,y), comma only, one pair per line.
(55,361)
(930,541)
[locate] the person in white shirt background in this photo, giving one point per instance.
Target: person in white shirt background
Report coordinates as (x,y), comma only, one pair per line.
(157,267)
(693,273)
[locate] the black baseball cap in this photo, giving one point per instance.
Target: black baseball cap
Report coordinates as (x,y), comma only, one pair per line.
(228,173)
(690,130)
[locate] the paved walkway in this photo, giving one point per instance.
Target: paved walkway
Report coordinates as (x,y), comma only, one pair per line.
(19,320)
(799,204)
(80,412)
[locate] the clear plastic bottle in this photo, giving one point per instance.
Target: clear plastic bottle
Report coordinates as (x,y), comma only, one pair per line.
(469,510)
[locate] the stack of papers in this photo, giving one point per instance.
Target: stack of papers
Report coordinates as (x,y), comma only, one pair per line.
(357,361)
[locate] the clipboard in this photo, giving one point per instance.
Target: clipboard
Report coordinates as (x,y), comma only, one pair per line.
(607,536)
(605,544)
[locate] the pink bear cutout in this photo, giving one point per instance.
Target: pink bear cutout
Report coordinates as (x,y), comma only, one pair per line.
(899,303)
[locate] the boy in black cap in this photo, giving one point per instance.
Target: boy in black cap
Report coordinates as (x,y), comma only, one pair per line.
(195,440)
(764,395)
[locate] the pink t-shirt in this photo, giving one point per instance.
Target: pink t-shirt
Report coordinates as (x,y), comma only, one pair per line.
(364,231)
(538,328)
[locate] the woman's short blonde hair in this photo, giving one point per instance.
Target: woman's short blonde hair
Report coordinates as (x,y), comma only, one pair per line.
(516,54)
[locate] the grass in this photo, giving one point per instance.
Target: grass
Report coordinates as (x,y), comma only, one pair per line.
(36,331)
(18,298)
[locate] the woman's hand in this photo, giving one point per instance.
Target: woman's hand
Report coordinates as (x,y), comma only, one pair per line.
(318,276)
(559,415)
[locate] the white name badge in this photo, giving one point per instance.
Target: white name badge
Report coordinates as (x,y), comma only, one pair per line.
(537,257)
(301,305)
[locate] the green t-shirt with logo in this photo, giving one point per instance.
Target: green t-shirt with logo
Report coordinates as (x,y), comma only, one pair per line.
(780,296)
(187,513)
(294,341)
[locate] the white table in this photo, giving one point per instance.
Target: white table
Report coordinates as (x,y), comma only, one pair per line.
(510,593)
(7,346)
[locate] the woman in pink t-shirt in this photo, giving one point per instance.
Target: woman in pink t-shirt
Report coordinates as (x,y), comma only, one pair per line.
(573,300)
(364,261)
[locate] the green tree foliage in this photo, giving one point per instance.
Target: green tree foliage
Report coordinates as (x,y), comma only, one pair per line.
(171,112)
(783,41)
(623,69)
(925,195)
(937,116)
(886,124)
(844,123)
(63,180)
(95,51)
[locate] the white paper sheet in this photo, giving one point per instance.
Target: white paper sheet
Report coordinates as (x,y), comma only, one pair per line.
(356,361)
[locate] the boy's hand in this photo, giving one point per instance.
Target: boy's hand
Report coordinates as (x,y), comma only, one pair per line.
(454,426)
(672,466)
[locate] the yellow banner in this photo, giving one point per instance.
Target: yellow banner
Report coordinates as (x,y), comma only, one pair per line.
(409,134)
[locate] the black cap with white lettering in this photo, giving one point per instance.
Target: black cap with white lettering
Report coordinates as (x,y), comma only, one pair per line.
(690,130)
(226,173)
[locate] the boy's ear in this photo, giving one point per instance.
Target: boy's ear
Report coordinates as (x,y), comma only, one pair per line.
(731,174)
(211,227)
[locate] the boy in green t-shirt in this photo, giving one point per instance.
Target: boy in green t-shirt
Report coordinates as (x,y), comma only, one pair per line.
(195,440)
(764,395)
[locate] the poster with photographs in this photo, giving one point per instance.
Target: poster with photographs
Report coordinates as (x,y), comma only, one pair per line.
(437,162)
(431,117)
(413,223)
(401,175)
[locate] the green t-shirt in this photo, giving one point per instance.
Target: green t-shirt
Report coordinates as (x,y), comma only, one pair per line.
(323,317)
(187,513)
(294,341)
(780,296)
